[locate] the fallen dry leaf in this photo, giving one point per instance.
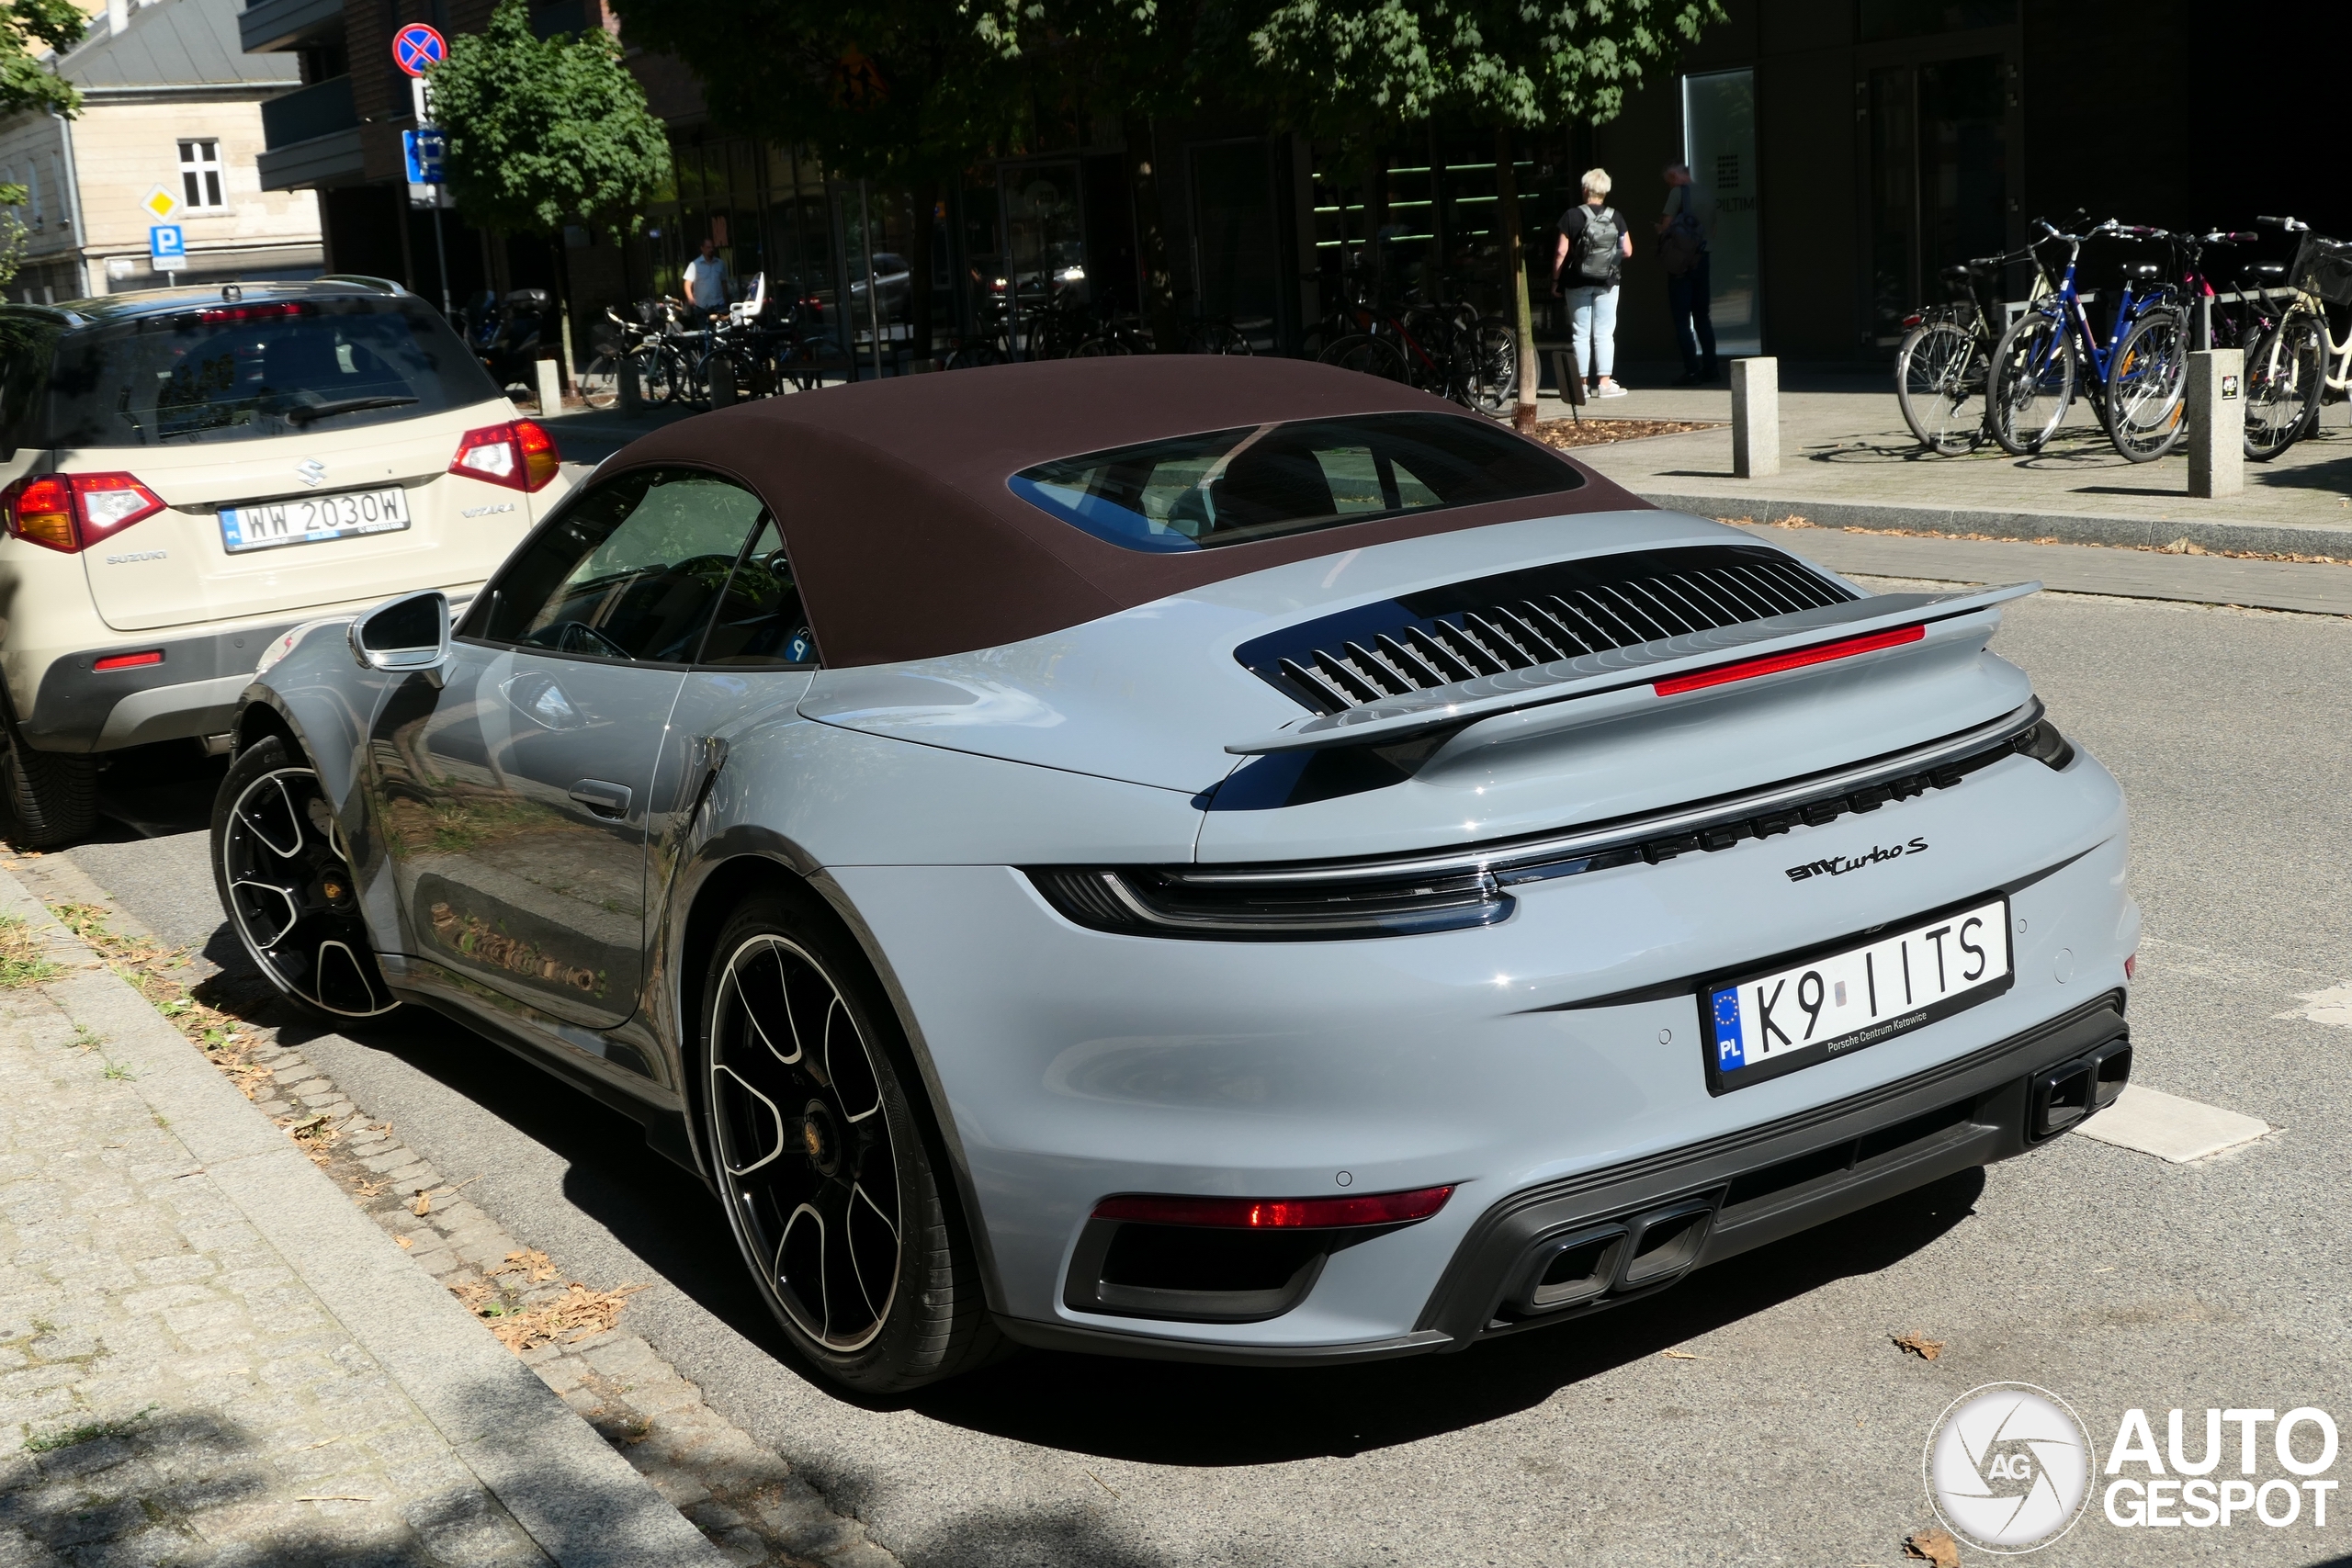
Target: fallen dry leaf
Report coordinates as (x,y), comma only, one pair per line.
(579,1314)
(403,1242)
(1918,1344)
(370,1188)
(1932,1546)
(532,1265)
(1681,1356)
(424,1204)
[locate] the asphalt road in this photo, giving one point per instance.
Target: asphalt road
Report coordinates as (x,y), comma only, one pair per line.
(1788,1429)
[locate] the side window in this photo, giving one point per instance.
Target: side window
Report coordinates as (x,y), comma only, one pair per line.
(631,571)
(760,621)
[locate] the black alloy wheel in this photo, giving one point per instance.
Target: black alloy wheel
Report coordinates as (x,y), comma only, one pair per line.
(284,874)
(822,1159)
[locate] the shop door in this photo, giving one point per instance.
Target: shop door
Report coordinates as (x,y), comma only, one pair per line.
(1236,251)
(1939,160)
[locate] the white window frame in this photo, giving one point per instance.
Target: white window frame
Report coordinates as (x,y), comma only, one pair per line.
(197,167)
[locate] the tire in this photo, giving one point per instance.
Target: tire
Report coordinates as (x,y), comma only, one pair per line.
(1489,374)
(599,381)
(973,356)
(2032,383)
(1101,348)
(660,373)
(2284,372)
(1939,374)
(53,794)
(2147,384)
(1372,355)
(798,1154)
(283,873)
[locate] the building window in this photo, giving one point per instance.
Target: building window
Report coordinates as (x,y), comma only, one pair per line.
(201,175)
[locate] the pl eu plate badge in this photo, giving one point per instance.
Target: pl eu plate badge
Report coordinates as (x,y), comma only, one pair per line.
(1731,1051)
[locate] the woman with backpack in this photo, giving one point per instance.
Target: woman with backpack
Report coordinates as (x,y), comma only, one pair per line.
(1594,244)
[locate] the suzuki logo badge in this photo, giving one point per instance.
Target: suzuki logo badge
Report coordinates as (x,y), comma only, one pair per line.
(312,471)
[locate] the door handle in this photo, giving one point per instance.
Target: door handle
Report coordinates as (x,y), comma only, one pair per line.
(603,799)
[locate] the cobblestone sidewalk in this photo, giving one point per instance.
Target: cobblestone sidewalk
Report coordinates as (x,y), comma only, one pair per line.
(743,1497)
(172,1392)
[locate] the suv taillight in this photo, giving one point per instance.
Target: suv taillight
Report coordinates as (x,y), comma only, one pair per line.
(72,511)
(521,456)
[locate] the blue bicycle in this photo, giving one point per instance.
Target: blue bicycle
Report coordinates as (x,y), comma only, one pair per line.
(2052,350)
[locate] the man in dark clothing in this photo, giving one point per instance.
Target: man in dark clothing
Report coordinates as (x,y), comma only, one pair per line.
(1683,231)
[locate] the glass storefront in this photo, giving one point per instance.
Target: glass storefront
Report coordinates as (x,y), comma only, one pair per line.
(1719,143)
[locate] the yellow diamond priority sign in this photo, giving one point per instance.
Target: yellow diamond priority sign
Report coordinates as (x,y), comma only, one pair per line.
(159,204)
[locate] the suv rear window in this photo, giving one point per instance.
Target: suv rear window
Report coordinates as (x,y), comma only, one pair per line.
(1194,492)
(237,372)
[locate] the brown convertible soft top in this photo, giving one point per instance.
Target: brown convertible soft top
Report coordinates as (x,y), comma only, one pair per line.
(908,544)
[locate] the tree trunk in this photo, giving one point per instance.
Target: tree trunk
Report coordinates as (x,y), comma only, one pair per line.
(1523,315)
(1151,236)
(563,304)
(928,195)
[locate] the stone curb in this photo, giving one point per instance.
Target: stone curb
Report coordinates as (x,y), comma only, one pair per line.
(2068,528)
(581,1503)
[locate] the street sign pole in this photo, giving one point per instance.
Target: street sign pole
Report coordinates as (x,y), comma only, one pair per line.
(416,48)
(441,260)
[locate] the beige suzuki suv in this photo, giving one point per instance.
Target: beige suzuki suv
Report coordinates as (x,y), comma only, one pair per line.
(188,473)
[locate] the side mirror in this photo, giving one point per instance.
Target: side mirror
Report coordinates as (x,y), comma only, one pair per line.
(405,636)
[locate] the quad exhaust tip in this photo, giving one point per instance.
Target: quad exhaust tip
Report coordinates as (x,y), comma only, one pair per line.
(2065,1095)
(1592,1261)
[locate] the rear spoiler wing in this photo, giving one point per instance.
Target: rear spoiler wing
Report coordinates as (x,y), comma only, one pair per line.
(1823,631)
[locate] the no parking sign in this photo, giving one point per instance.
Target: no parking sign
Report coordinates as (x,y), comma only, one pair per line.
(417,48)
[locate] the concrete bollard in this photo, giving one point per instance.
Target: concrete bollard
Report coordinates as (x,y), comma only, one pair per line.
(550,376)
(2216,422)
(1754,418)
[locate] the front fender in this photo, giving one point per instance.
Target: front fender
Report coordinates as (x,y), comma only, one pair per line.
(325,699)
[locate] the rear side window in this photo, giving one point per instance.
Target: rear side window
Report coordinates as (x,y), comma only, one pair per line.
(27,344)
(235,372)
(1228,486)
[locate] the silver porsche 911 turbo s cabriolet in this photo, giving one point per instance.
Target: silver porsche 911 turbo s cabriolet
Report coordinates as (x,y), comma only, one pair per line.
(1198,857)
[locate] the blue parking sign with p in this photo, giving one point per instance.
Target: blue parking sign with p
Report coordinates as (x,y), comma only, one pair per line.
(166,244)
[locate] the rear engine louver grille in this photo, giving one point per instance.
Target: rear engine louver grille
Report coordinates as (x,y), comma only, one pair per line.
(1518,620)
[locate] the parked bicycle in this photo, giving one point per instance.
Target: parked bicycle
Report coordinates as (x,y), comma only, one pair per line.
(2052,352)
(1450,350)
(1945,362)
(2148,373)
(2300,359)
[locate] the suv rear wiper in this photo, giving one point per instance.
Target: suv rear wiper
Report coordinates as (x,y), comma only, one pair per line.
(305,414)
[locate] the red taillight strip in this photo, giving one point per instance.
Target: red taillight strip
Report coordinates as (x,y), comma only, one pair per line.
(1796,659)
(1278,1213)
(129,660)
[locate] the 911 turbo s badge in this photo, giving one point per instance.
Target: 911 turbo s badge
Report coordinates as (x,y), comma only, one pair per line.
(1838,865)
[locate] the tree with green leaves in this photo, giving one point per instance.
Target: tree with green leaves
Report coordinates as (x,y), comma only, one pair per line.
(908,94)
(1353,68)
(544,133)
(13,235)
(25,83)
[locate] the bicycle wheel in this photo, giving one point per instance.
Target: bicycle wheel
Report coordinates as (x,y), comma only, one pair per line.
(2147,377)
(1221,337)
(972,356)
(2284,372)
(1372,355)
(1940,375)
(1105,347)
(2032,383)
(1489,374)
(660,372)
(599,381)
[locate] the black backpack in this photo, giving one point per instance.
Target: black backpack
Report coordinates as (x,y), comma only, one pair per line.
(1600,247)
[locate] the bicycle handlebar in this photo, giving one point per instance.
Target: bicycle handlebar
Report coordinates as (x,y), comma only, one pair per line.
(2291,224)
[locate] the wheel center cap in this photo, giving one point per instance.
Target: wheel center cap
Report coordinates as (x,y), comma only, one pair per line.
(818,1138)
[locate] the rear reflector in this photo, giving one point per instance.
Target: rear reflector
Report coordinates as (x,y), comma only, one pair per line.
(1279,1213)
(129,660)
(1797,658)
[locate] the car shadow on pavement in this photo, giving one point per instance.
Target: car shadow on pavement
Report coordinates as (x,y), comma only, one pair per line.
(1229,1415)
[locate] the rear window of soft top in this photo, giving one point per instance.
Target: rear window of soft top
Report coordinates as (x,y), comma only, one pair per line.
(241,370)
(1259,482)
